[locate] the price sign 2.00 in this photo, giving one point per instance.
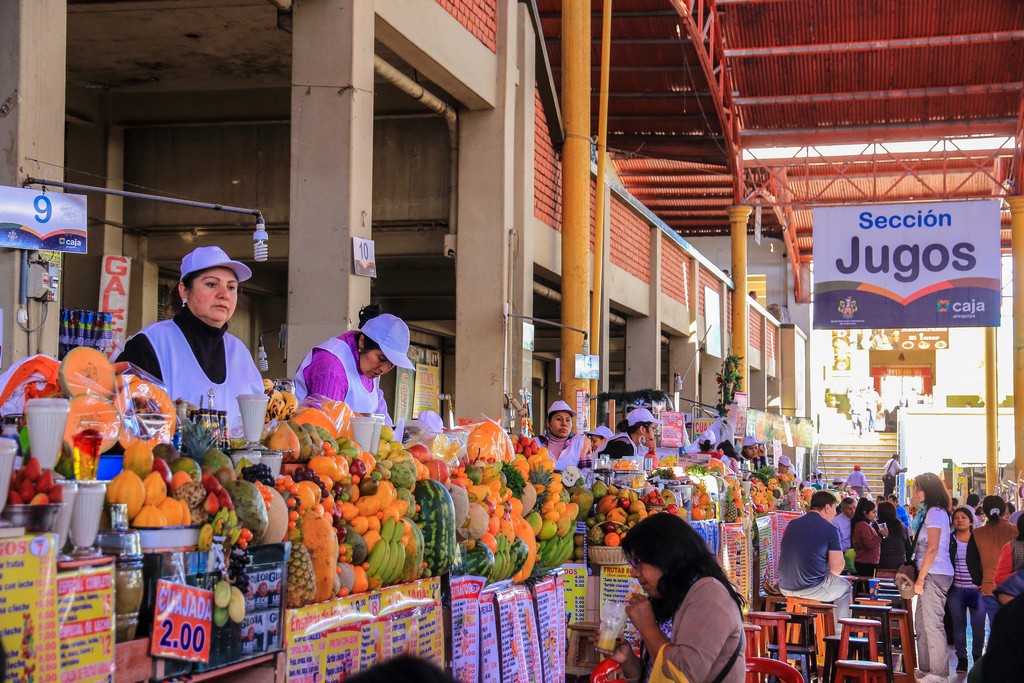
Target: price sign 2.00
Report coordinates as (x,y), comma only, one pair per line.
(181,622)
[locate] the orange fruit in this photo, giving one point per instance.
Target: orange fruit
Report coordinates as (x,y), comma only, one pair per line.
(612,539)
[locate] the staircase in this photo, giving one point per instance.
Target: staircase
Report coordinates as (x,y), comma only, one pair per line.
(840,449)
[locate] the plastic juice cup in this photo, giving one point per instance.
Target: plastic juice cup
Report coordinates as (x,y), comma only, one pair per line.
(85,449)
(46,418)
(613,623)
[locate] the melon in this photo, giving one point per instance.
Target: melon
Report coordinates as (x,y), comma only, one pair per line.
(147,412)
(89,411)
(86,370)
(277,519)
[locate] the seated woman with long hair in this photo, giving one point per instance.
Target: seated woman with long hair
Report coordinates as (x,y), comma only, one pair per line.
(690,620)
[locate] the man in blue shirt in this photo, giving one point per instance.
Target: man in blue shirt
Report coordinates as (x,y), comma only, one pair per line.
(811,559)
(901,512)
(843,517)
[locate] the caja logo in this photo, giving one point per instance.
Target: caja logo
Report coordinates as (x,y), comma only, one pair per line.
(942,306)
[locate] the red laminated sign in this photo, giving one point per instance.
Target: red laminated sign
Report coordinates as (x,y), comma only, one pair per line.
(181,622)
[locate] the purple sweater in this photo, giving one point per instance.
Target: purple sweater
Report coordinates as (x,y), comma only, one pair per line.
(325,375)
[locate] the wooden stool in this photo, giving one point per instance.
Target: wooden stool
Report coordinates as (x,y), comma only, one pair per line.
(824,624)
(859,672)
(804,648)
(772,603)
(753,636)
(863,627)
(858,647)
(773,628)
(581,655)
(882,614)
(908,648)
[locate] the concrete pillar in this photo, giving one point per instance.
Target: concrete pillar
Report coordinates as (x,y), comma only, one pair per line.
(487,168)
(33,48)
(144,302)
(1017,241)
(738,221)
(331,169)
(520,367)
(793,371)
(643,333)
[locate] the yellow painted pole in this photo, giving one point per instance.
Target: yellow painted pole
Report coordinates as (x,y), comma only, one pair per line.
(1017,243)
(596,299)
(575,189)
(738,216)
(991,412)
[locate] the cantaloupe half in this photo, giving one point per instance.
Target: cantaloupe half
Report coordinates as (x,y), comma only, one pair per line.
(85,370)
(147,412)
(89,411)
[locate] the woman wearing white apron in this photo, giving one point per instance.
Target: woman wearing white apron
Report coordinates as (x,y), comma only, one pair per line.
(193,353)
(349,367)
(565,448)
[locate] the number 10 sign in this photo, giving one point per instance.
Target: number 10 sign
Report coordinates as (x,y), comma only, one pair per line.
(36,220)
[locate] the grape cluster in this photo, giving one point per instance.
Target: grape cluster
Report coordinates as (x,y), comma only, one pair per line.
(260,473)
(306,474)
(240,559)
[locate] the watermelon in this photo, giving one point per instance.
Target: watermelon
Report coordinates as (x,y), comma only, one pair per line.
(519,553)
(477,560)
(436,519)
(412,568)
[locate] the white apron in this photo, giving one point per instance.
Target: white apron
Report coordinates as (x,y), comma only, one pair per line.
(357,397)
(570,455)
(184,378)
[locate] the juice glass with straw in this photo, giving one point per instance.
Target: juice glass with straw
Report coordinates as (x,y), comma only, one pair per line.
(613,623)
(85,452)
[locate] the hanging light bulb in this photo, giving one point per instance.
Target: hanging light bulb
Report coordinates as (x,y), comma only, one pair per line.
(260,248)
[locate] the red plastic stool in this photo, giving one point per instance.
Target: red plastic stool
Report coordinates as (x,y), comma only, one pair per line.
(860,672)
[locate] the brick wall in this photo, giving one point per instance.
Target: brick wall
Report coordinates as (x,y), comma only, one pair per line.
(630,241)
(675,272)
(480,17)
(547,170)
(706,280)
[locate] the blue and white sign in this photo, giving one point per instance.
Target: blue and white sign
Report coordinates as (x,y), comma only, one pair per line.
(42,221)
(907,265)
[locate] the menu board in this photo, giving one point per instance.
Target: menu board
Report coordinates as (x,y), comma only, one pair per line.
(430,633)
(617,583)
(575,592)
(515,665)
(28,608)
(490,662)
(765,550)
(328,637)
(85,613)
(548,598)
(465,592)
(673,429)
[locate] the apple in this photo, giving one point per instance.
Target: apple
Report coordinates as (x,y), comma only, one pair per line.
(357,468)
(161,467)
(418,451)
(609,527)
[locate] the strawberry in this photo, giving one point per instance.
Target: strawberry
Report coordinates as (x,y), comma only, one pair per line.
(210,505)
(14,498)
(57,494)
(40,499)
(26,491)
(32,470)
(45,482)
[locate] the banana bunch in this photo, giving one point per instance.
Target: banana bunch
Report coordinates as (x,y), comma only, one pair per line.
(281,404)
(555,551)
(504,563)
(224,524)
(387,558)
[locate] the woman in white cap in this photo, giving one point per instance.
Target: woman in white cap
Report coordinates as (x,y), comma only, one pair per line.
(564,447)
(192,353)
(639,426)
(598,437)
(349,367)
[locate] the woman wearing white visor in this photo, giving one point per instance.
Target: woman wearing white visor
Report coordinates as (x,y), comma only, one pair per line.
(564,447)
(349,367)
(193,353)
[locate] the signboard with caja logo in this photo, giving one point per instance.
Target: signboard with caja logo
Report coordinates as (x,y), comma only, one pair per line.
(927,265)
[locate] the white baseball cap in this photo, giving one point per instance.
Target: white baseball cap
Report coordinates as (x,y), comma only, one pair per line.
(638,415)
(601,431)
(202,258)
(560,407)
(750,441)
(431,422)
(392,336)
(784,461)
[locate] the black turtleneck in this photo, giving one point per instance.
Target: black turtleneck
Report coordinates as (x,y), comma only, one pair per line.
(206,342)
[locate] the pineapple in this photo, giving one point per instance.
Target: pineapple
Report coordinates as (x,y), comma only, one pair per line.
(730,513)
(301,589)
(198,438)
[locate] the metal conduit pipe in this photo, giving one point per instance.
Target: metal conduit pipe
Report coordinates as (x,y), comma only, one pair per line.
(556,296)
(451,117)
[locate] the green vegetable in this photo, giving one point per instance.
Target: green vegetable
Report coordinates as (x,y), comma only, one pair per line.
(513,479)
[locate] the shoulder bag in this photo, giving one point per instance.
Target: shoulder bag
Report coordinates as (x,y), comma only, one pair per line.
(906,573)
(664,671)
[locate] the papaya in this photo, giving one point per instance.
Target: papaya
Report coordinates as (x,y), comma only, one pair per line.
(489,442)
(284,439)
(150,516)
(147,413)
(172,511)
(89,411)
(321,540)
(138,457)
(86,370)
(156,489)
(127,488)
(315,418)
